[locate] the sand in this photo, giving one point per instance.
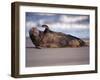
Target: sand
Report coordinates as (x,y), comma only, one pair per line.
(55,56)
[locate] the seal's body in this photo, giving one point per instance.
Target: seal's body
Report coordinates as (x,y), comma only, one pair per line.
(51,39)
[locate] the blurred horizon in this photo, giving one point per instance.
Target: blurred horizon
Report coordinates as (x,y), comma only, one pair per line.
(73,24)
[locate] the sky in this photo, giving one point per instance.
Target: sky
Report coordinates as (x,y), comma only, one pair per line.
(73,24)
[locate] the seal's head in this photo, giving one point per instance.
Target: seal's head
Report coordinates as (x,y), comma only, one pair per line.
(34,35)
(34,31)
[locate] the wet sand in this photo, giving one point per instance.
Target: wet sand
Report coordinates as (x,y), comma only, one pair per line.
(56,56)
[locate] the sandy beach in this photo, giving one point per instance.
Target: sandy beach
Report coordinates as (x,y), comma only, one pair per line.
(55,56)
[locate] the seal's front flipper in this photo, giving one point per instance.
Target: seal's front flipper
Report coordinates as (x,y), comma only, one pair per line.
(38,47)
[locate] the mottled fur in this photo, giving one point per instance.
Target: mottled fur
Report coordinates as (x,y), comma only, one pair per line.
(51,39)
